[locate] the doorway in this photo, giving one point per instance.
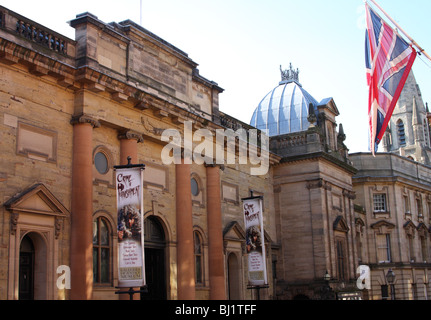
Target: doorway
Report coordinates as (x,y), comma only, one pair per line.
(155,260)
(26,269)
(234,277)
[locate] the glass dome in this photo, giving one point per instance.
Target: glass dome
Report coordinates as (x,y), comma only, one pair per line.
(285,108)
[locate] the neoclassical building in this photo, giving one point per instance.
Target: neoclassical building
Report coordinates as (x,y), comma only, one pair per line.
(73,109)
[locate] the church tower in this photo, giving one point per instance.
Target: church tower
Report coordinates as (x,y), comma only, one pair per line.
(408,133)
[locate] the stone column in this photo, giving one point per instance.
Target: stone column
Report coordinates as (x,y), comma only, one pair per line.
(81,251)
(185,248)
(215,234)
(129,148)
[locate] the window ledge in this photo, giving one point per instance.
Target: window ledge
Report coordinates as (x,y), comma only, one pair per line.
(382,214)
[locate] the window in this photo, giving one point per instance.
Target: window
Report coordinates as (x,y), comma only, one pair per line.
(406,204)
(198,258)
(424,249)
(101,251)
(359,246)
(385,292)
(411,248)
(195,187)
(379,202)
(414,291)
(341,261)
(419,207)
(101,163)
(383,248)
(401,133)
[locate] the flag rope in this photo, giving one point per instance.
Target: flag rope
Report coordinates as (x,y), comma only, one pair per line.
(420,49)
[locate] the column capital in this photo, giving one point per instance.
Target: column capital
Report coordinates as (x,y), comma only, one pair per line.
(130,135)
(214,165)
(83,118)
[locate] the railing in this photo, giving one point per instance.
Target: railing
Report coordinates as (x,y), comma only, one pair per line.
(16,24)
(41,36)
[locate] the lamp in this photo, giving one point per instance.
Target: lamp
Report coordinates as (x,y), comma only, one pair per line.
(326,291)
(327,276)
(390,278)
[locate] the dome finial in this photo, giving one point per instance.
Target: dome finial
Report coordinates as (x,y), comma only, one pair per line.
(289,75)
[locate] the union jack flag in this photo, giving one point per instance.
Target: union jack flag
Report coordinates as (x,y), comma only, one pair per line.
(389,60)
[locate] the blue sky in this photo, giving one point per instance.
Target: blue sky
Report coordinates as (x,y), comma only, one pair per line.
(241,44)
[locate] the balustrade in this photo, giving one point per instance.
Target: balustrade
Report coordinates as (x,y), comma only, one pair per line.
(41,36)
(32,31)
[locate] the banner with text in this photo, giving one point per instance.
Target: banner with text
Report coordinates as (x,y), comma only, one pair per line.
(253,218)
(131,266)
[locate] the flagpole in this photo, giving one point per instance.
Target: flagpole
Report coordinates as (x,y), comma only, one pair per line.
(140,12)
(399,28)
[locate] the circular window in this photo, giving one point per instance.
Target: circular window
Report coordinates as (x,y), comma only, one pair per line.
(101,163)
(195,187)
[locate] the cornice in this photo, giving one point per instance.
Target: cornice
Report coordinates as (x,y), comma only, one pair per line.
(319,155)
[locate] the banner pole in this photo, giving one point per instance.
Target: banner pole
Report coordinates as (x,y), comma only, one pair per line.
(421,50)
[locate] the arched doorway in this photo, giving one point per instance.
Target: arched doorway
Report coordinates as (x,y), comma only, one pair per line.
(26,269)
(233,277)
(32,268)
(155,260)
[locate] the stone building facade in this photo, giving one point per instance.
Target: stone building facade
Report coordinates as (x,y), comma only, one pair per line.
(393,193)
(393,212)
(71,110)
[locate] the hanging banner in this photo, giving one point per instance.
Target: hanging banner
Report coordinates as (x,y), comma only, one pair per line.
(255,245)
(130,226)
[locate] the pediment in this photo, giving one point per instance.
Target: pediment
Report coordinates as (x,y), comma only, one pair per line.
(233,231)
(382,226)
(340,224)
(409,225)
(37,200)
(422,230)
(329,104)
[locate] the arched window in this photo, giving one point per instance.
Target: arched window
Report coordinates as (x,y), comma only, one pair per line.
(102,251)
(401,133)
(199,258)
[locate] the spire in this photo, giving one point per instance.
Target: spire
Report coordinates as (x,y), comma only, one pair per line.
(341,134)
(415,117)
(289,75)
(418,129)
